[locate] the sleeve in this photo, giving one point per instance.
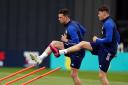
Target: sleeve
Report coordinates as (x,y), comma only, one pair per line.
(72,31)
(108,35)
(83,29)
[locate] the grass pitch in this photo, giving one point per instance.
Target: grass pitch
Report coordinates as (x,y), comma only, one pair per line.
(63,77)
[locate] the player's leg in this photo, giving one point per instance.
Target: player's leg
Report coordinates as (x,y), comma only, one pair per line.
(103,77)
(47,52)
(74,75)
(77,47)
(76,60)
(56,44)
(104,62)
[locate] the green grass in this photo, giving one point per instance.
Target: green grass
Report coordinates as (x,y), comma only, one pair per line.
(63,77)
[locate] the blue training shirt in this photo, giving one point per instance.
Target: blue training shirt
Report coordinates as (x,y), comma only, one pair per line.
(75,32)
(111,37)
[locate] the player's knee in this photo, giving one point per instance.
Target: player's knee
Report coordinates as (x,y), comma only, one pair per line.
(53,43)
(82,43)
(73,75)
(101,76)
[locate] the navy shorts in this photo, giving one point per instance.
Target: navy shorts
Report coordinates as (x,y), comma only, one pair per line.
(76,57)
(104,56)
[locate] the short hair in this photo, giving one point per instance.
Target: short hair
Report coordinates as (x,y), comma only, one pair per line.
(64,11)
(104,8)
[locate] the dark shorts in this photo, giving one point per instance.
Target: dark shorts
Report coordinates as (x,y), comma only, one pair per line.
(104,56)
(76,57)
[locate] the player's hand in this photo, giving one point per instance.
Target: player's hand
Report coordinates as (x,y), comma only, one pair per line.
(94,38)
(64,38)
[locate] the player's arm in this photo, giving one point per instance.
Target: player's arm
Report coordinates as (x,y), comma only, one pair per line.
(64,38)
(73,34)
(109,33)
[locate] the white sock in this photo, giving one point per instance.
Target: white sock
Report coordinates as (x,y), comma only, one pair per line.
(43,55)
(64,51)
